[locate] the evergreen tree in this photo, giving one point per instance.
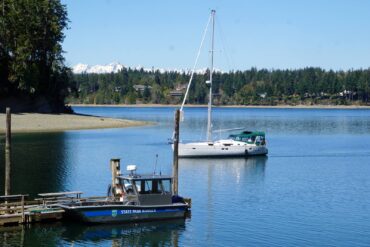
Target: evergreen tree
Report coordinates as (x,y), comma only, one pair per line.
(31,61)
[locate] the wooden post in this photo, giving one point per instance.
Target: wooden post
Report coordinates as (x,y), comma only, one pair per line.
(115,168)
(7,152)
(175,171)
(22,205)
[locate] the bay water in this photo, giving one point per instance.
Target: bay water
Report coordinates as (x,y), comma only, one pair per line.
(313,188)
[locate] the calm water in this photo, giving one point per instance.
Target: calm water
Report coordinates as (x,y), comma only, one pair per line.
(313,189)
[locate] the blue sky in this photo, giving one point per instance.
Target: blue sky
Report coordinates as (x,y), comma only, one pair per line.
(284,34)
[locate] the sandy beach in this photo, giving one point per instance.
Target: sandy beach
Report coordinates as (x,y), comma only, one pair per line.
(35,122)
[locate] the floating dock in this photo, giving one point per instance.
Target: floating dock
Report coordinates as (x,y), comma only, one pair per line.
(16,209)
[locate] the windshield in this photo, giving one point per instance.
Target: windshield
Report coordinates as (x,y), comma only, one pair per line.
(154,186)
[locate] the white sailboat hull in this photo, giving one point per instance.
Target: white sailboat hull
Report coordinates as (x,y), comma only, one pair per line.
(252,150)
(222,148)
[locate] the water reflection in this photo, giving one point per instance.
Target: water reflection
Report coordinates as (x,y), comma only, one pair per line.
(161,233)
(166,233)
(31,235)
(219,188)
(237,168)
(39,163)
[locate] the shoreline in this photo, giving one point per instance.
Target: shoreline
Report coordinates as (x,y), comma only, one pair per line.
(37,122)
(230,106)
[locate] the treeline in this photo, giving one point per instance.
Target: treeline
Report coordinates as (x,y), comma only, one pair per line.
(250,87)
(32,72)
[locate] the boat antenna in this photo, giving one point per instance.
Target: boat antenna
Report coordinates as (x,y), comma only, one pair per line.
(155,165)
(209,122)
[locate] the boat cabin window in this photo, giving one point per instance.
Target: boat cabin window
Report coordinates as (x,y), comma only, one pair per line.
(152,186)
(235,138)
(145,186)
(258,140)
(166,185)
(249,139)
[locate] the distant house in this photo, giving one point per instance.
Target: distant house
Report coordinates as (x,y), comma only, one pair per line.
(310,95)
(176,93)
(179,90)
(263,95)
(181,87)
(346,93)
(141,88)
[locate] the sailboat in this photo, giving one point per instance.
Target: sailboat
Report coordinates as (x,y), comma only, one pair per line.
(243,144)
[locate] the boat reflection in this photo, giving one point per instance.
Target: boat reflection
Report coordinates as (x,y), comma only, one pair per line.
(161,233)
(252,167)
(216,179)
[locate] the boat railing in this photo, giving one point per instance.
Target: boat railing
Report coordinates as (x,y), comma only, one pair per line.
(15,209)
(48,199)
(74,198)
(12,205)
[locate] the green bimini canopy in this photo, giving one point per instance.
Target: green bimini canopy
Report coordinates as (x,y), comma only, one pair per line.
(248,136)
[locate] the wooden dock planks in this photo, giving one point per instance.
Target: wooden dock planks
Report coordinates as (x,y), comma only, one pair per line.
(14,209)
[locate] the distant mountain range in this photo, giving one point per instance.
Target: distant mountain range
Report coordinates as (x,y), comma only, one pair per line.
(116,67)
(97,69)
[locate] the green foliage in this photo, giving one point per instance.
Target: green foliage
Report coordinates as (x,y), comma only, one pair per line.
(250,87)
(31,60)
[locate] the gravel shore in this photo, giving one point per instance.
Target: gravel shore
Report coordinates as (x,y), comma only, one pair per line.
(35,122)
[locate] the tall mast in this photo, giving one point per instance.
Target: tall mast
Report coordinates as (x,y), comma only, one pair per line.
(209,123)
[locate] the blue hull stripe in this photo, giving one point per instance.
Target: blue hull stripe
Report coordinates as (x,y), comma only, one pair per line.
(97,213)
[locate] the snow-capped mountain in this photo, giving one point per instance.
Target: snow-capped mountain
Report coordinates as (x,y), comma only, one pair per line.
(116,67)
(97,69)
(80,68)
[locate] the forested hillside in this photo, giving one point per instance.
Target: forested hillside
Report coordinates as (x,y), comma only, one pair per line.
(251,87)
(32,72)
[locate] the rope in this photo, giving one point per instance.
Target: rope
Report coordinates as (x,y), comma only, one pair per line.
(193,70)
(224,44)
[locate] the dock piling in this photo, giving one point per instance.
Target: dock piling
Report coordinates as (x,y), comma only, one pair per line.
(116,170)
(22,209)
(175,169)
(7,151)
